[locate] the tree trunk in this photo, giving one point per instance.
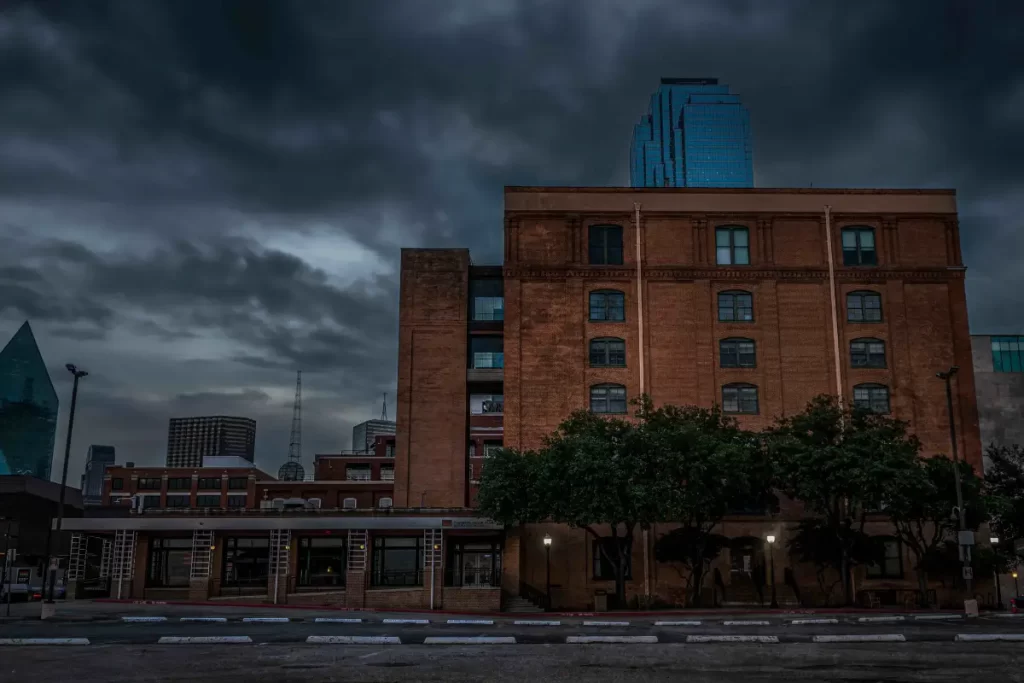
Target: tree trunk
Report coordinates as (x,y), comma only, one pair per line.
(922,584)
(696,583)
(847,584)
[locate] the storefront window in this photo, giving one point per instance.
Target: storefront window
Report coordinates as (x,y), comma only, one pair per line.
(397,561)
(322,561)
(473,562)
(246,562)
(169,563)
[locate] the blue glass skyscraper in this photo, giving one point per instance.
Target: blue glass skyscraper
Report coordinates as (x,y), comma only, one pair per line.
(695,134)
(28,408)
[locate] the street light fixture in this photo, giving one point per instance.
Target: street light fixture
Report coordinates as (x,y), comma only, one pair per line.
(1016,588)
(78,374)
(965,551)
(994,540)
(547,557)
(771,552)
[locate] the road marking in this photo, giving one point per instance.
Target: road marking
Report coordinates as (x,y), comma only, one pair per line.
(475,640)
(210,620)
(479,622)
(202,640)
(142,620)
(536,622)
(746,623)
(1005,614)
(732,639)
(583,640)
(407,621)
(606,623)
(44,641)
(935,617)
(355,640)
(864,638)
(801,622)
(865,620)
(335,620)
(677,623)
(266,620)
(989,637)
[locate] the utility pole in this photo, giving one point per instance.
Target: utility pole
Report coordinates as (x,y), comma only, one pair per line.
(50,563)
(966,539)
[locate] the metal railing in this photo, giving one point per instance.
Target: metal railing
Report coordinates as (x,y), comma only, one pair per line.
(534,595)
(456,578)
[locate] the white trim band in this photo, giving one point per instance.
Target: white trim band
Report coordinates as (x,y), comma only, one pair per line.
(265,620)
(732,639)
(407,621)
(805,622)
(478,622)
(747,623)
(866,638)
(203,640)
(677,623)
(606,623)
(44,641)
(142,620)
(989,637)
(586,640)
(205,620)
(336,620)
(355,640)
(474,640)
(536,622)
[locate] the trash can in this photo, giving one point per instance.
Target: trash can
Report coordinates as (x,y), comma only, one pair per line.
(601,601)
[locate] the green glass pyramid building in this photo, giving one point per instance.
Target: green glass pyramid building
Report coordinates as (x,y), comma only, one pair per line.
(28,408)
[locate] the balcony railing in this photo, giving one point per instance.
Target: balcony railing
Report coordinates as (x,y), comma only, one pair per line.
(387,475)
(358,476)
(487,360)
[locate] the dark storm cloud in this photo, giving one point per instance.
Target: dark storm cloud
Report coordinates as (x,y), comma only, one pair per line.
(174,173)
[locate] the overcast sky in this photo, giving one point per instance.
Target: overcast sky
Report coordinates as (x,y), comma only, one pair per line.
(198,198)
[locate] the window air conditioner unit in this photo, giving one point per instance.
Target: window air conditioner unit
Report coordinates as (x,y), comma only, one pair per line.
(313,503)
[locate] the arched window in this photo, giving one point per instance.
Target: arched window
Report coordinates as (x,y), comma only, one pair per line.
(607,305)
(737,352)
(873,397)
(864,307)
(605,245)
(732,245)
(867,353)
(608,399)
(859,246)
(735,307)
(740,399)
(607,352)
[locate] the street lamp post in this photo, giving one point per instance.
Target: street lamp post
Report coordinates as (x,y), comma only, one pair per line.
(1016,588)
(78,374)
(547,557)
(771,553)
(965,551)
(999,591)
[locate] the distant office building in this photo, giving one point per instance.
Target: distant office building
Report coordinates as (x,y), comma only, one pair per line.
(365,433)
(191,439)
(28,408)
(999,383)
(96,463)
(695,134)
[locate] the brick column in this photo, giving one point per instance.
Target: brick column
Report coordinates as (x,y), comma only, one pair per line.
(355,575)
(510,562)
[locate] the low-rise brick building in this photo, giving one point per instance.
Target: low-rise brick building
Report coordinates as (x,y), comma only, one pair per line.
(755,299)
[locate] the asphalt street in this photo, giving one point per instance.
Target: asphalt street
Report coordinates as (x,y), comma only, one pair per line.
(721,663)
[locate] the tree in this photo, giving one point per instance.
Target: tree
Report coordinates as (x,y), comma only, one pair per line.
(922,507)
(592,472)
(719,468)
(1004,490)
(694,550)
(818,543)
(840,464)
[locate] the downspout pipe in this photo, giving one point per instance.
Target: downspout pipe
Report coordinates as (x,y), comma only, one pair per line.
(643,383)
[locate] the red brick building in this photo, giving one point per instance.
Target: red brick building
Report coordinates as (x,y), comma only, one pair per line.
(756,299)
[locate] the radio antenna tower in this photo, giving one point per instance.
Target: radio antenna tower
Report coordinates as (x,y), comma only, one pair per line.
(292,470)
(384,409)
